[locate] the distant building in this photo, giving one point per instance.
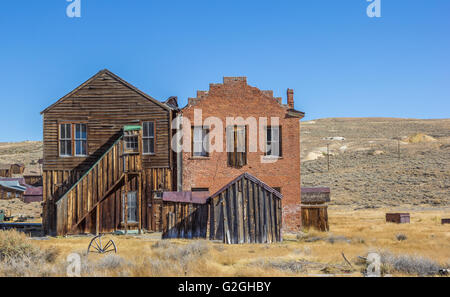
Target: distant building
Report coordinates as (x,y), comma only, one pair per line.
(11,188)
(5,170)
(33,176)
(17,168)
(32,194)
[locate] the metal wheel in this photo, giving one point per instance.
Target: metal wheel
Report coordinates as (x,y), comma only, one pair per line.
(101,244)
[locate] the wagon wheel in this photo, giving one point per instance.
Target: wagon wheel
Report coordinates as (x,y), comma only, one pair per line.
(102,245)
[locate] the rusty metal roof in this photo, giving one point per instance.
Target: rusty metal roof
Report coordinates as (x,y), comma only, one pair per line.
(33,191)
(253,179)
(186,197)
(316,190)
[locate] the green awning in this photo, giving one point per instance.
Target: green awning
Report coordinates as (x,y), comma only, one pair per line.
(132,128)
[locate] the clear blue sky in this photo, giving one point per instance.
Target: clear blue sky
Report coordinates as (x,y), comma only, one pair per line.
(340,62)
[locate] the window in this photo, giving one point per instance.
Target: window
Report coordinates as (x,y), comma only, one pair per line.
(131,207)
(131,143)
(8,195)
(72,140)
(80,140)
(273,141)
(200,190)
(200,142)
(65,140)
(17,195)
(237,146)
(278,189)
(148,138)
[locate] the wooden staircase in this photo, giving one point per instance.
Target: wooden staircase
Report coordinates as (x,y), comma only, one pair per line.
(80,207)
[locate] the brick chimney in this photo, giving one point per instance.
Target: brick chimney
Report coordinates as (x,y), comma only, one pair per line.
(290,98)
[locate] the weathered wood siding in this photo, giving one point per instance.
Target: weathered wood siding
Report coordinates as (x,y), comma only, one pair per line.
(105,104)
(315,216)
(246,212)
(185,220)
(4,193)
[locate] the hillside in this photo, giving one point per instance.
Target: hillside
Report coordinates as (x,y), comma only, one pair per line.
(365,168)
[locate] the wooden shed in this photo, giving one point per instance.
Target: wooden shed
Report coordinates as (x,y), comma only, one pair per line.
(185,214)
(17,168)
(33,176)
(398,218)
(315,208)
(5,170)
(11,188)
(246,210)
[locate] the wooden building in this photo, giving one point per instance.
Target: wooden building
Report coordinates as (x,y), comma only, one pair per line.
(33,176)
(185,214)
(246,210)
(11,188)
(107,158)
(17,168)
(315,208)
(5,170)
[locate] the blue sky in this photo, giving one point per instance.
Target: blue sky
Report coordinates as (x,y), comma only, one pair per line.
(340,62)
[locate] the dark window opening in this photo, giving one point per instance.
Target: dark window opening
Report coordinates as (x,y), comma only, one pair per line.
(200,189)
(273,141)
(237,146)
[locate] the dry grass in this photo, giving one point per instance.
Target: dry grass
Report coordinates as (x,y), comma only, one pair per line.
(426,248)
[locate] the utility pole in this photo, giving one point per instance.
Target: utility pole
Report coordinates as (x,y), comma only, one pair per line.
(328,156)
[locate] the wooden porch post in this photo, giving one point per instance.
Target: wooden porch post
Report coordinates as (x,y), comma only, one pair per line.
(125,206)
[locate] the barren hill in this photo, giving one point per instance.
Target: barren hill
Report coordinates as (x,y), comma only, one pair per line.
(366,170)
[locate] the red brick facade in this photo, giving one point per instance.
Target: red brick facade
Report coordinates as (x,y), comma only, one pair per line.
(234,98)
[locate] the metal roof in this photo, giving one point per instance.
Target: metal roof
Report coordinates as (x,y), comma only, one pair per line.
(186,197)
(33,191)
(13,185)
(131,128)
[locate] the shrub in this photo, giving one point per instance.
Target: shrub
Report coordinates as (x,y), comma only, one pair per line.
(401,237)
(415,265)
(110,262)
(290,266)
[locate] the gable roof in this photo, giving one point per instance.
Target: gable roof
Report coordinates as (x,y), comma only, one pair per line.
(13,185)
(252,178)
(106,71)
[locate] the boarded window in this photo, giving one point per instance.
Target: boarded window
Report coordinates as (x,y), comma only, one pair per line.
(237,146)
(200,142)
(200,189)
(80,140)
(131,207)
(148,138)
(273,141)
(65,140)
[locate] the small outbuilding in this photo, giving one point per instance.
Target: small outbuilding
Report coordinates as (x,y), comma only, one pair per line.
(5,170)
(11,188)
(315,208)
(185,214)
(17,168)
(32,194)
(246,210)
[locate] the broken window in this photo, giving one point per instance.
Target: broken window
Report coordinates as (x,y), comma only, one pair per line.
(148,138)
(65,140)
(131,207)
(237,146)
(200,142)
(80,140)
(273,141)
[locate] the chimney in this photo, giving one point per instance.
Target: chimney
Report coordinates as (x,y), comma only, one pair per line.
(290,98)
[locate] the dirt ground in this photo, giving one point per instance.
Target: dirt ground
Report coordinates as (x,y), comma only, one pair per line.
(352,234)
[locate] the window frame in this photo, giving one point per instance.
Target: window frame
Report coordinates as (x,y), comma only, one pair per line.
(204,128)
(235,146)
(280,135)
(72,139)
(148,137)
(136,208)
(75,139)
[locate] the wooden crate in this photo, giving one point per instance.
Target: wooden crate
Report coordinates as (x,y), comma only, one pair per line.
(398,218)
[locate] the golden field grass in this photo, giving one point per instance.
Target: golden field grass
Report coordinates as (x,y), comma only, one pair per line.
(353,233)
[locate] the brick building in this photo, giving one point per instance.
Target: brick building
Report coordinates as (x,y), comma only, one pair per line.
(276,161)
